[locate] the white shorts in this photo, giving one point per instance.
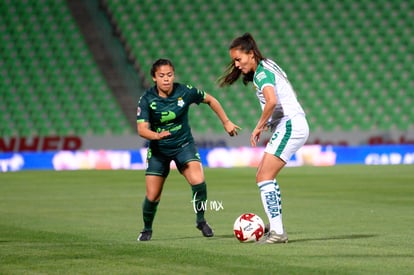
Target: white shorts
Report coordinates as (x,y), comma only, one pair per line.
(288,137)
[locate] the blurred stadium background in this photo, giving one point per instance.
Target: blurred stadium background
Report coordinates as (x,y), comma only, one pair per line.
(78,67)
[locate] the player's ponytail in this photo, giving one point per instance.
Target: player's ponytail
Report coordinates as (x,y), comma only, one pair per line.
(245,43)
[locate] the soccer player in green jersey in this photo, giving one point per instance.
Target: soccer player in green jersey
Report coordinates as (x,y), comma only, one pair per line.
(162,118)
(281,113)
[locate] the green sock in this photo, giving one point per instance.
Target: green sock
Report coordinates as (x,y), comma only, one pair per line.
(199,200)
(149,208)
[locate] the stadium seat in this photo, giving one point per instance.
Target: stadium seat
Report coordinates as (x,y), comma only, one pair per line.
(344,58)
(47,66)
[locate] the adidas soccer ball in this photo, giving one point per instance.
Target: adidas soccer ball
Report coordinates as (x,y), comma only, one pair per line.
(248,227)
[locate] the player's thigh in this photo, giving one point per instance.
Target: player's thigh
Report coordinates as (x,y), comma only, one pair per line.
(288,138)
(269,167)
(193,172)
(157,164)
(158,168)
(154,185)
(189,164)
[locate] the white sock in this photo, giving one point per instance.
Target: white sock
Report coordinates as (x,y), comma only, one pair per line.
(272,204)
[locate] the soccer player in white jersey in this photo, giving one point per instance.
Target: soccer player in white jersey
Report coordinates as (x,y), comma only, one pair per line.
(281,113)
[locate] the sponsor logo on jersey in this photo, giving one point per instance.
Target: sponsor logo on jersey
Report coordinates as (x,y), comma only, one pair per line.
(167,116)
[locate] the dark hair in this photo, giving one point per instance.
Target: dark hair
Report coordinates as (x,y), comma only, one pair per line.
(160,62)
(245,43)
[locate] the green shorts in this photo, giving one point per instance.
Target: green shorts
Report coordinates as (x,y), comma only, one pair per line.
(158,163)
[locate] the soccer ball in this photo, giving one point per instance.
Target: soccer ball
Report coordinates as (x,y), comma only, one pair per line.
(248,227)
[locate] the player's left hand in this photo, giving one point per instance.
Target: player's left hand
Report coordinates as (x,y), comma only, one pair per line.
(255,137)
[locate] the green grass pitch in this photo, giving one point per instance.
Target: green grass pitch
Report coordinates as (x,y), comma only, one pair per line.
(340,220)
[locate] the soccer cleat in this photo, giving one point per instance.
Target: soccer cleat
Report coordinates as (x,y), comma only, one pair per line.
(145,235)
(272,237)
(205,229)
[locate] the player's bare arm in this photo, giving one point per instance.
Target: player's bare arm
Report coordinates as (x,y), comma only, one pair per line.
(271,101)
(144,131)
(215,105)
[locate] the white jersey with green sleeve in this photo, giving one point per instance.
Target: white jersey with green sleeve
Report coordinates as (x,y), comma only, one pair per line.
(268,73)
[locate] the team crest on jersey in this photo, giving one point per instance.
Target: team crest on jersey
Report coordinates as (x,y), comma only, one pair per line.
(180,102)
